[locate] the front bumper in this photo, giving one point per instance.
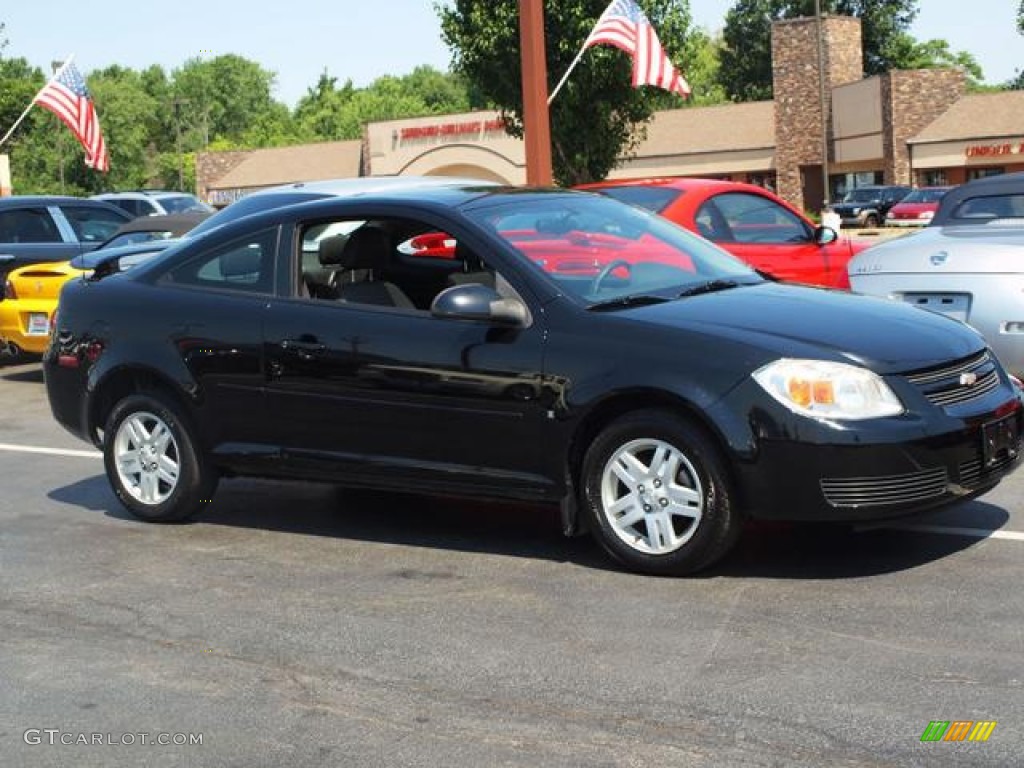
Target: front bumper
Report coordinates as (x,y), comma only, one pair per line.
(803,470)
(907,222)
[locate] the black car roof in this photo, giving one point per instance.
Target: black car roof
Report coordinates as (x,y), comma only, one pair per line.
(1003,184)
(177,223)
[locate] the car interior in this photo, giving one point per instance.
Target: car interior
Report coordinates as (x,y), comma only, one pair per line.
(395,263)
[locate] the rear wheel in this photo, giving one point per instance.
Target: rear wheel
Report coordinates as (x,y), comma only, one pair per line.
(153,461)
(658,495)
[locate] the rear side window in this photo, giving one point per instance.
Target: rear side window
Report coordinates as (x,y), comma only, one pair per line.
(93,225)
(655,199)
(28,225)
(990,207)
(245,264)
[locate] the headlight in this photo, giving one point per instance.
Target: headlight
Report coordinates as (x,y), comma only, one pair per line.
(856,211)
(825,390)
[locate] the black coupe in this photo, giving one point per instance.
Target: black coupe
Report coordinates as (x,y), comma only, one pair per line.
(545,345)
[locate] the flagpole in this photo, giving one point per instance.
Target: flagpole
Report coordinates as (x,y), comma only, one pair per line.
(33,102)
(568,72)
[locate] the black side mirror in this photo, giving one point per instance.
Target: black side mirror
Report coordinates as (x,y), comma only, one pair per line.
(473,301)
(824,235)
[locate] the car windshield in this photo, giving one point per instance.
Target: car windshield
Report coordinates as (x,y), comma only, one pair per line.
(924,196)
(598,250)
(861,196)
(182,203)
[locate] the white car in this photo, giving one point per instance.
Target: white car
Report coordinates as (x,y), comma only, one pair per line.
(154,202)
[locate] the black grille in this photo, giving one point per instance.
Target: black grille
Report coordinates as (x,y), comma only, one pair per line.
(885,489)
(960,382)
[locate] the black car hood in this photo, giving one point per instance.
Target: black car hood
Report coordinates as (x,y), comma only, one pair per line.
(792,321)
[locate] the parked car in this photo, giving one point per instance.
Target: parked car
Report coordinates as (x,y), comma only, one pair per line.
(36,229)
(748,221)
(981,201)
(917,208)
(31,293)
(154,202)
(157,227)
(575,350)
(868,206)
(972,273)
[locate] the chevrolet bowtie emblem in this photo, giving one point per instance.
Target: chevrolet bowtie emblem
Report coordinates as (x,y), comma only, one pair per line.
(968,379)
(39,287)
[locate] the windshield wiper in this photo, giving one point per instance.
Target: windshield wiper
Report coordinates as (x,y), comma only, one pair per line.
(709,286)
(634,300)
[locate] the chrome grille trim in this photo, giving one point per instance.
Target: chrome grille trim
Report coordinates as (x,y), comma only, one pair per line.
(929,377)
(972,474)
(885,490)
(943,386)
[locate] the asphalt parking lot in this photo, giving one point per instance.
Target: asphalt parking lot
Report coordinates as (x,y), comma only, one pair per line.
(303,625)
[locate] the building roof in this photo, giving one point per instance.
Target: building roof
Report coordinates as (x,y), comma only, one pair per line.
(306,162)
(977,116)
(694,130)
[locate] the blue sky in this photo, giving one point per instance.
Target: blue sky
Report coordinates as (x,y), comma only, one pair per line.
(360,40)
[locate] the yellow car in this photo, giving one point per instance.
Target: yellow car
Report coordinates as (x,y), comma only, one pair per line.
(31,293)
(30,298)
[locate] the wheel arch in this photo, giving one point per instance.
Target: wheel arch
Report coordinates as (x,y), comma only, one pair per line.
(619,404)
(121,382)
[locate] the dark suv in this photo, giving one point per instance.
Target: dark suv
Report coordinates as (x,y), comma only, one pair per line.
(867,206)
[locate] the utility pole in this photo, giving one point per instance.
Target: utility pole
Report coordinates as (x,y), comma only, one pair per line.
(821,102)
(536,123)
(177,102)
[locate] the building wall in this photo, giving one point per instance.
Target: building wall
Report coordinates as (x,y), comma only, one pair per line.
(798,99)
(911,99)
(857,125)
(211,166)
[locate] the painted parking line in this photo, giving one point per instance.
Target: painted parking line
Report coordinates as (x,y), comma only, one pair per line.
(50,451)
(952,530)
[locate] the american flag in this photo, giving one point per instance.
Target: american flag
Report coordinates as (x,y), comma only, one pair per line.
(68,98)
(625,26)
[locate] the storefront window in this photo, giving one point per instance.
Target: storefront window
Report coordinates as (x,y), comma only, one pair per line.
(934,179)
(981,173)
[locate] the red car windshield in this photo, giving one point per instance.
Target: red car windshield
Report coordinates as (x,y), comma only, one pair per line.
(599,250)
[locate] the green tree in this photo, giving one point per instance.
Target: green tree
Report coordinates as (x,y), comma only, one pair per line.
(220,97)
(597,117)
(746,71)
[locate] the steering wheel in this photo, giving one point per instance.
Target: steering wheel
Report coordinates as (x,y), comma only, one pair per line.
(610,267)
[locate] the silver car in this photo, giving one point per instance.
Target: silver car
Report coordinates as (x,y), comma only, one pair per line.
(971,273)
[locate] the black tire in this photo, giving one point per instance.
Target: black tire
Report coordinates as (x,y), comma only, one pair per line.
(149,430)
(697,504)
(871,221)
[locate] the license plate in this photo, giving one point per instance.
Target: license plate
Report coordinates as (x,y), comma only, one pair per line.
(999,438)
(38,324)
(955,305)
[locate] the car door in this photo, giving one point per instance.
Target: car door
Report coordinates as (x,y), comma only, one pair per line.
(766,235)
(389,394)
(30,235)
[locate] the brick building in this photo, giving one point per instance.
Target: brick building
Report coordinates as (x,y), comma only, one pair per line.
(906,126)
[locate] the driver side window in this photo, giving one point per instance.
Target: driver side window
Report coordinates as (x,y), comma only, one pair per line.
(755,219)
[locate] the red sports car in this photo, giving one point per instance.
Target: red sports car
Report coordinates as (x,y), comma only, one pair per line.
(749,222)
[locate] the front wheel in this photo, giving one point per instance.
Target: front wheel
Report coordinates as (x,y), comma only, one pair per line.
(871,222)
(658,495)
(153,461)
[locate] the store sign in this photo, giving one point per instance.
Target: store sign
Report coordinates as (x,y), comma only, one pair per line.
(995,150)
(443,131)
